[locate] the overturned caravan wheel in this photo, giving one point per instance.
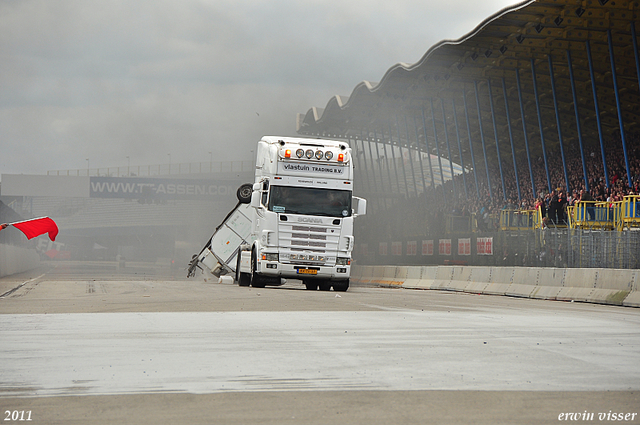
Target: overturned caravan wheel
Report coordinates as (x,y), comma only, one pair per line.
(244,193)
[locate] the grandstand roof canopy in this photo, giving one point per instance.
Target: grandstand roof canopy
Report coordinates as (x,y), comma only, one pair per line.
(484,66)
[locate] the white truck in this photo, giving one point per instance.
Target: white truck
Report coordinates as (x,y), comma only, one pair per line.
(295,221)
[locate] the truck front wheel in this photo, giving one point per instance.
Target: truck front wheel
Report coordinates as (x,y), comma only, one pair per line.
(243,279)
(341,286)
(311,285)
(325,285)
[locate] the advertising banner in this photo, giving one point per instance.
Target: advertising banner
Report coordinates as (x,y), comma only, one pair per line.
(412,248)
(464,246)
(484,246)
(427,247)
(161,189)
(444,247)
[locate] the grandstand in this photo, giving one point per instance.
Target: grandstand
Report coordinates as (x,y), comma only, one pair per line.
(536,104)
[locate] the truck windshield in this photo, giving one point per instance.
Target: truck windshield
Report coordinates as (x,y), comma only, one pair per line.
(310,201)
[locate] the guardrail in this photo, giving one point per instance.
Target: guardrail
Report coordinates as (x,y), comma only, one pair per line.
(600,286)
(14,259)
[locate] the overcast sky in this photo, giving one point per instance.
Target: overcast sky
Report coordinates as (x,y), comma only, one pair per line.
(158,80)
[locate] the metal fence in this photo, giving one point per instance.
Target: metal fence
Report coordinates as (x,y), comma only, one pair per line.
(550,247)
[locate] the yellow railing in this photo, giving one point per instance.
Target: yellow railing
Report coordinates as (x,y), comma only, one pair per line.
(591,215)
(627,212)
(619,215)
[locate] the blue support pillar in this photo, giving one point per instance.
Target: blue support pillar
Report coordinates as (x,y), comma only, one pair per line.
(413,172)
(578,125)
(364,162)
(386,161)
(362,165)
(555,104)
(435,134)
(526,136)
(619,106)
(373,168)
(404,172)
(513,151)
(544,150)
(424,183)
(473,160)
(597,108)
(426,142)
(495,134)
(464,175)
(393,157)
(402,163)
(379,160)
(634,41)
(484,147)
(446,138)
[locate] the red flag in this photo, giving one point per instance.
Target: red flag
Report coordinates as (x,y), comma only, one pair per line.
(36,227)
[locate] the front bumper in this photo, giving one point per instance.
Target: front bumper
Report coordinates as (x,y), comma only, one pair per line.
(299,271)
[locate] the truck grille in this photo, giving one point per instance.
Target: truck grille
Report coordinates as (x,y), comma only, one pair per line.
(316,239)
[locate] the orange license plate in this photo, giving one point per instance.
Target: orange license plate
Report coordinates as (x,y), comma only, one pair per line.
(307,271)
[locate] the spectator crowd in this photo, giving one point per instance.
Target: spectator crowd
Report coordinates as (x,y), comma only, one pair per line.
(426,213)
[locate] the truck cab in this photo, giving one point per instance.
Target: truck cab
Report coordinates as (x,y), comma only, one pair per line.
(303,207)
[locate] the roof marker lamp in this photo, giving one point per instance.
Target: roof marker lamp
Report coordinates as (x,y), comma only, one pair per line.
(300,153)
(319,154)
(309,153)
(328,155)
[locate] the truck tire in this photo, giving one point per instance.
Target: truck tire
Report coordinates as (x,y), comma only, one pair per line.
(256,280)
(311,285)
(243,279)
(341,286)
(244,193)
(324,285)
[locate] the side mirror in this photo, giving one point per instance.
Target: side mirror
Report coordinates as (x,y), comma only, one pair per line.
(359,206)
(255,197)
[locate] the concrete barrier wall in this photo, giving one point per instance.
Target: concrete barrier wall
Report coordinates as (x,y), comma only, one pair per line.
(15,259)
(602,286)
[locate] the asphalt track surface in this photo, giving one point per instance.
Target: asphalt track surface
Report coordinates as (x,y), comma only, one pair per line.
(88,343)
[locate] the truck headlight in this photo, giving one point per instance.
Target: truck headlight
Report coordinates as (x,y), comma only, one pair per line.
(343,261)
(270,256)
